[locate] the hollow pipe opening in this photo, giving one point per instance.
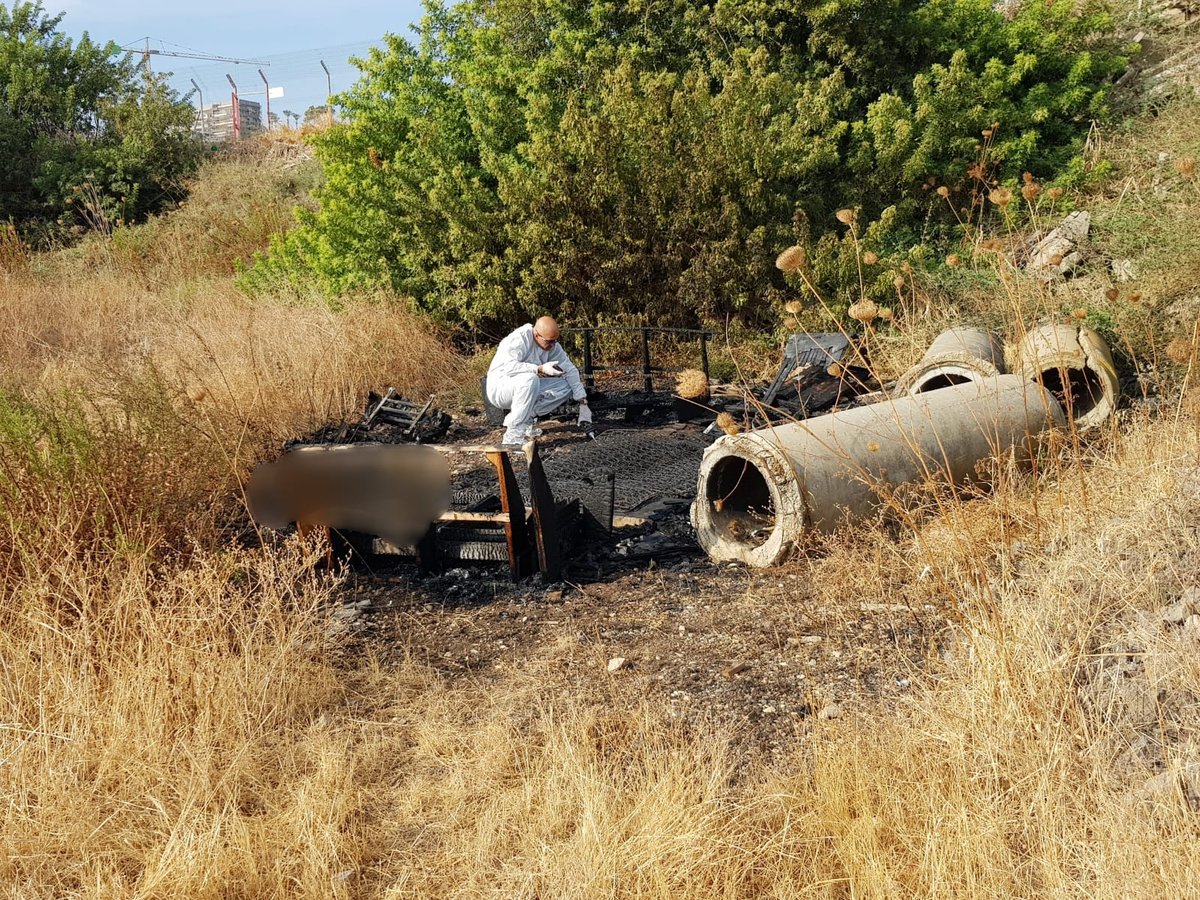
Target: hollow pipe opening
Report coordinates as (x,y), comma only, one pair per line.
(941,380)
(740,503)
(1078,390)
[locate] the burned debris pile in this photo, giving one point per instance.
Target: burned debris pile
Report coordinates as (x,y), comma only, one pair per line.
(733,473)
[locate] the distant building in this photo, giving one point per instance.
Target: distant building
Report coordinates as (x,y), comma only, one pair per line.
(215,122)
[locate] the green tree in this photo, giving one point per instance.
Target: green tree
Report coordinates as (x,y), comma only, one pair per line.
(652,156)
(88,140)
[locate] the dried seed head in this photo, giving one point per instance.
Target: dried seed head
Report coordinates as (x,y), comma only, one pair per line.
(1001,196)
(886,314)
(864,311)
(899,282)
(873,446)
(727,423)
(953,261)
(1186,166)
(1135,297)
(1180,351)
(846,216)
(1027,178)
(992,245)
(1031,191)
(943,191)
(791,259)
(987,132)
(1079,313)
(1111,294)
(691,384)
(835,370)
(1054,193)
(870,258)
(793,306)
(1056,259)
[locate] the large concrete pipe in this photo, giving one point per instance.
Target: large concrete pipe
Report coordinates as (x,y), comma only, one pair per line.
(956,356)
(1074,364)
(758,492)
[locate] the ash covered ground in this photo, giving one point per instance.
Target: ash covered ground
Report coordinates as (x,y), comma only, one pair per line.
(757,653)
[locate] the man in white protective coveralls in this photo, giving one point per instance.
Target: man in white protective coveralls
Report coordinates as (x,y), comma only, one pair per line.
(530,376)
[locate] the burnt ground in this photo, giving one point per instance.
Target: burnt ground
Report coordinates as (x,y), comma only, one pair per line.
(757,653)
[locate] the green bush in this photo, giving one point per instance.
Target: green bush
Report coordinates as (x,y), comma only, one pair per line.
(652,158)
(89,141)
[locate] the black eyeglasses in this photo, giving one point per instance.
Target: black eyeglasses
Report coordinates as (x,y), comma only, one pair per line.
(550,341)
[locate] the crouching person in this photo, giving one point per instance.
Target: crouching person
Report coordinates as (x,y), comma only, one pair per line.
(531,376)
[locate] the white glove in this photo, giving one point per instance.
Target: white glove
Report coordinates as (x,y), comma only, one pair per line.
(585,414)
(550,368)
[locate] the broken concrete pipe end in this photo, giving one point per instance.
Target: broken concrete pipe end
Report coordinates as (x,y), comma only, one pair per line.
(759,492)
(1074,363)
(956,356)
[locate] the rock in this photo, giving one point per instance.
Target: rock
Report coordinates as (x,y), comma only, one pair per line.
(616,664)
(1059,252)
(811,639)
(768,710)
(832,711)
(1175,613)
(1182,783)
(1124,270)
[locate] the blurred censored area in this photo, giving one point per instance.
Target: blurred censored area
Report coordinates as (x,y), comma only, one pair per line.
(392,491)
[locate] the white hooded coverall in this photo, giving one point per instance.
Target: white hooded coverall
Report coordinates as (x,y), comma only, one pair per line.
(514,384)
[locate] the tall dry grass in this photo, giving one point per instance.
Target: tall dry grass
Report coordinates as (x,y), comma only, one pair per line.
(177,720)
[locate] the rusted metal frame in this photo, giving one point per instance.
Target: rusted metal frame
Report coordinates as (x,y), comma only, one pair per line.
(516,534)
(647,377)
(647,369)
(545,517)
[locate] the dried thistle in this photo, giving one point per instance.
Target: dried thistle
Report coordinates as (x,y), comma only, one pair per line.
(793,307)
(1135,298)
(864,311)
(792,259)
(943,191)
(846,216)
(1079,313)
(728,424)
(1180,351)
(1186,166)
(1001,196)
(886,314)
(1111,294)
(691,384)
(1054,193)
(870,258)
(835,370)
(898,283)
(1031,190)
(953,261)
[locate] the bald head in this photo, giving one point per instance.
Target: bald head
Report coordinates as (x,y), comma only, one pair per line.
(545,332)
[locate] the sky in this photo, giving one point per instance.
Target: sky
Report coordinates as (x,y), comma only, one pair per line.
(290,36)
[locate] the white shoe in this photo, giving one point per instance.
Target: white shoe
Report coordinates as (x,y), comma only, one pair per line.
(518,437)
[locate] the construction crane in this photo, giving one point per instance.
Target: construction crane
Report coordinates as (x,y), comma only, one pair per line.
(148,51)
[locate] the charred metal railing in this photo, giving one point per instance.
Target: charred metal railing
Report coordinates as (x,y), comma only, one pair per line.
(647,369)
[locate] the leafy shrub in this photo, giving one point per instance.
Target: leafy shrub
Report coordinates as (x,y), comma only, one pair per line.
(551,157)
